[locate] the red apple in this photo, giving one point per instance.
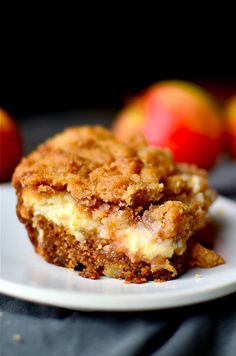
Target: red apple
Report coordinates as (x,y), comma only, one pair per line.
(178,115)
(10,146)
(230,116)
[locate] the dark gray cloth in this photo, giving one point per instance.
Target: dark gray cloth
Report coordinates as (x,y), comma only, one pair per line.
(34,329)
(204,329)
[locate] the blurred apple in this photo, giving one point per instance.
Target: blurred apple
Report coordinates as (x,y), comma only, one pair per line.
(10,146)
(230,116)
(178,115)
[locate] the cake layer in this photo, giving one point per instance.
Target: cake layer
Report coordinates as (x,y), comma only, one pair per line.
(94,258)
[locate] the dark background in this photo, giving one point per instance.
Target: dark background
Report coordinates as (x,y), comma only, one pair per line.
(60,70)
(76,90)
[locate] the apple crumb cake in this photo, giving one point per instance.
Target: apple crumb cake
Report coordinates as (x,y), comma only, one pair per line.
(104,207)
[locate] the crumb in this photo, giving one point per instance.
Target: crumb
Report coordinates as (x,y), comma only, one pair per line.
(220,212)
(17,338)
(204,258)
(34,283)
(198,276)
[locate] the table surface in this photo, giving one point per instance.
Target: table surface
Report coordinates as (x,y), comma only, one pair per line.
(28,328)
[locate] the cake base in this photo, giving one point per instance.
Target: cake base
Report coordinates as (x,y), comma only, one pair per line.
(61,248)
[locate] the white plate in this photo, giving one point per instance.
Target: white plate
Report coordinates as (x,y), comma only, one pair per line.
(26,275)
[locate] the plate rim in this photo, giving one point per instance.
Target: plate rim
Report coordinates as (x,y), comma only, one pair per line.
(126,302)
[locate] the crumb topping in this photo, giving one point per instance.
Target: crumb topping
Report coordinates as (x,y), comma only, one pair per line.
(96,168)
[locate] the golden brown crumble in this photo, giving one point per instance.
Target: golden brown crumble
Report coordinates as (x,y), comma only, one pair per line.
(92,165)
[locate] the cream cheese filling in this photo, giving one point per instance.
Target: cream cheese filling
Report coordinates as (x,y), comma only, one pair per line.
(61,210)
(134,240)
(139,240)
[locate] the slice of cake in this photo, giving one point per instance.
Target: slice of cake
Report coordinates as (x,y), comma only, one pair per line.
(123,210)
